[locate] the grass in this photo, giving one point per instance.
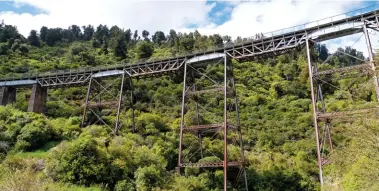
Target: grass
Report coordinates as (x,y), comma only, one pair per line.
(42,152)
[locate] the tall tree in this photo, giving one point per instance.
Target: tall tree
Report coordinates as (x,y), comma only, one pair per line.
(53,36)
(88,32)
(115,31)
(33,38)
(216,40)
(117,42)
(173,38)
(43,33)
(128,36)
(8,32)
(76,32)
(135,35)
(101,32)
(323,52)
(145,35)
(187,42)
(159,37)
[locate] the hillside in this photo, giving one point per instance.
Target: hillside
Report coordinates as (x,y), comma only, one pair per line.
(52,152)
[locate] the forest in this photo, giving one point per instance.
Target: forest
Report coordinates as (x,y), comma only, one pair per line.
(52,151)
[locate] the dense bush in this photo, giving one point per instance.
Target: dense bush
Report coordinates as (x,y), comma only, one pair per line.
(26,131)
(81,162)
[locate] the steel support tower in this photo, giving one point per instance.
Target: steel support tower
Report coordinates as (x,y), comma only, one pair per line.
(198,88)
(319,78)
(104,97)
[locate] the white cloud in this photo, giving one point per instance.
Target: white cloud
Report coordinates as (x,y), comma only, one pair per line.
(149,15)
(249,18)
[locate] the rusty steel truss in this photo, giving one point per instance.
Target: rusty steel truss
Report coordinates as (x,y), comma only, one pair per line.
(196,92)
(317,79)
(103,99)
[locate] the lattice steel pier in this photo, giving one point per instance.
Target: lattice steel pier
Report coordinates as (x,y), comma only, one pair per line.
(317,80)
(198,87)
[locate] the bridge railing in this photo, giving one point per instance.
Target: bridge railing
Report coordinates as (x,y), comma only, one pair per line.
(263,36)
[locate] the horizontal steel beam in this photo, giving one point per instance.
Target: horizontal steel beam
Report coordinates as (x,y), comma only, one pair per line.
(209,164)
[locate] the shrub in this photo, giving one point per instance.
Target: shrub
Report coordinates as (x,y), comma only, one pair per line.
(79,162)
(35,133)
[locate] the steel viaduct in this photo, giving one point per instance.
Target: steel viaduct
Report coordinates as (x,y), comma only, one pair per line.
(273,43)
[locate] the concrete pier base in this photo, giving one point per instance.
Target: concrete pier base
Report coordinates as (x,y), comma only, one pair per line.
(7,95)
(37,102)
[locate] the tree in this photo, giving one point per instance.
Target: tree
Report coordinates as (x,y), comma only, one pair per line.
(75,31)
(159,37)
(145,35)
(67,35)
(117,42)
(348,56)
(43,33)
(187,42)
(323,52)
(8,32)
(88,32)
(128,36)
(53,36)
(105,45)
(33,38)
(217,41)
(135,35)
(144,49)
(101,32)
(173,38)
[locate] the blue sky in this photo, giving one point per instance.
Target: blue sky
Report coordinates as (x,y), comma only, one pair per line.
(22,8)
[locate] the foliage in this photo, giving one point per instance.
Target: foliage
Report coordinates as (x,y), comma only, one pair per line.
(79,162)
(25,131)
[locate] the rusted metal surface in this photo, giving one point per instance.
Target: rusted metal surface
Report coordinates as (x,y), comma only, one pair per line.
(210,164)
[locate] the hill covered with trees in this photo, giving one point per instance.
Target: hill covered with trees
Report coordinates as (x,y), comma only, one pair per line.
(52,152)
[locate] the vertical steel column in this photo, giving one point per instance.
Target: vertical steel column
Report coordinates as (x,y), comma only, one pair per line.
(132,102)
(371,57)
(119,104)
(314,111)
(327,122)
(197,117)
(225,162)
(239,131)
(182,120)
(86,102)
(329,135)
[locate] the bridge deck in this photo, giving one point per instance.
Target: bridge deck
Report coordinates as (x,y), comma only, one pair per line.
(277,42)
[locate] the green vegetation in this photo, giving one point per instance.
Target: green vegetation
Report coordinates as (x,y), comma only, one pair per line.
(52,152)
